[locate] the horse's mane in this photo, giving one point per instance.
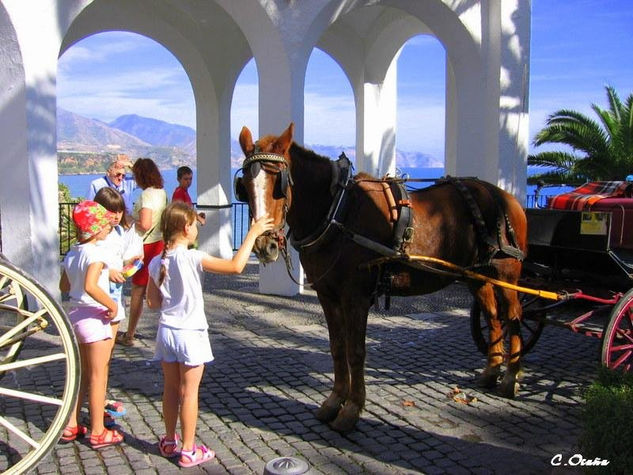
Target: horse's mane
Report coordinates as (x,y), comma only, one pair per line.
(307,154)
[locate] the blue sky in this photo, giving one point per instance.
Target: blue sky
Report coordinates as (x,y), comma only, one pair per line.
(577,48)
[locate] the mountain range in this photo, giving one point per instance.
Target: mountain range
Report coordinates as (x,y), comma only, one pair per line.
(86,145)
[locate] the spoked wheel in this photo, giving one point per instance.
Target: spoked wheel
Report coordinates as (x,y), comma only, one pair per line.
(532,324)
(11,297)
(617,339)
(39,366)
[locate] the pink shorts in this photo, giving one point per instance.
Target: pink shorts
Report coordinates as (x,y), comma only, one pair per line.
(141,277)
(90,324)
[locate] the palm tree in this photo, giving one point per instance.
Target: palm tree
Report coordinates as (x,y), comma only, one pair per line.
(601,150)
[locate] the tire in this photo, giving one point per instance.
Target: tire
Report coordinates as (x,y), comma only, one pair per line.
(41,380)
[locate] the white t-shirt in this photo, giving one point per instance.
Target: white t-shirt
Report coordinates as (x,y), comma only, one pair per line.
(76,264)
(113,247)
(183,305)
(156,200)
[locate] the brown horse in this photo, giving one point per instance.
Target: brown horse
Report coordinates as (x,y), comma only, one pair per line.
(339,226)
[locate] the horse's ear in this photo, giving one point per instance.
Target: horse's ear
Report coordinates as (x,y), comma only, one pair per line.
(246,141)
(283,142)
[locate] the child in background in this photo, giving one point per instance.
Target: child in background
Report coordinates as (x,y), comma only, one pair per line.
(122,248)
(182,342)
(85,278)
(181,193)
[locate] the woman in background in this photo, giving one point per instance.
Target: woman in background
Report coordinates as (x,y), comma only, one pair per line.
(147,213)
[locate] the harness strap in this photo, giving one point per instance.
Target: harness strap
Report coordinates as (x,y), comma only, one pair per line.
(341,177)
(495,247)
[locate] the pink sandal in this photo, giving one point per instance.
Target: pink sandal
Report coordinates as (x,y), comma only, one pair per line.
(199,454)
(168,447)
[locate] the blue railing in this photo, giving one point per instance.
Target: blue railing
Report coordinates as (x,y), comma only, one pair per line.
(240,219)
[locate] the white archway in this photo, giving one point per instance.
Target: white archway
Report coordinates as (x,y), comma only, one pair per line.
(487,48)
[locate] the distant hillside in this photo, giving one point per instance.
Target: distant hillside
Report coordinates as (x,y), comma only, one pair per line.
(78,132)
(87,145)
(156,132)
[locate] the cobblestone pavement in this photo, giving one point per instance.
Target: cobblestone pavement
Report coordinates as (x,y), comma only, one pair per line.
(273,369)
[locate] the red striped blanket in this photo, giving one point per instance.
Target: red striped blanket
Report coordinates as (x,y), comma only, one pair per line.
(584,196)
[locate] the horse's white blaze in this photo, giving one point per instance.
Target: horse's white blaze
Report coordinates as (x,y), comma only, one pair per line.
(260,185)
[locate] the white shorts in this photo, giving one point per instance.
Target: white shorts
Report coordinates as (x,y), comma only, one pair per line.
(190,347)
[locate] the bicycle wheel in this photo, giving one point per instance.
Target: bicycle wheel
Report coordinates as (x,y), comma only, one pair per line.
(41,378)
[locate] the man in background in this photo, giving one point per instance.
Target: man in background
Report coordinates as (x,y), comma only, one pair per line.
(116,177)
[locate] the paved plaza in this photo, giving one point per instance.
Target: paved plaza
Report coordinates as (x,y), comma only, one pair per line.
(273,369)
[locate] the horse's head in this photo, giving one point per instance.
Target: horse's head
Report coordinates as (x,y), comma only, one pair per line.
(266,185)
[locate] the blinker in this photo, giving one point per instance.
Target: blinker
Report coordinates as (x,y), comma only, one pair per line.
(255,168)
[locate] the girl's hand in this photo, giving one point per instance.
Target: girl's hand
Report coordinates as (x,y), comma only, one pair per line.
(262,225)
(112,310)
(116,276)
(132,259)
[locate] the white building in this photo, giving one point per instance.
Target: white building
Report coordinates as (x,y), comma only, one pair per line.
(487,58)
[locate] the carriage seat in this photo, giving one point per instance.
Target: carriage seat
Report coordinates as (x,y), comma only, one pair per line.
(585,196)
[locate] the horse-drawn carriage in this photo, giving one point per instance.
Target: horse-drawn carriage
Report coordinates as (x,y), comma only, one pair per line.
(359,237)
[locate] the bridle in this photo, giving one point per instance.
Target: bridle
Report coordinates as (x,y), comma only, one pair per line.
(271,163)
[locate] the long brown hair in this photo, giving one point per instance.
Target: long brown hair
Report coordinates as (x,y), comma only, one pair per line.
(173,221)
(147,174)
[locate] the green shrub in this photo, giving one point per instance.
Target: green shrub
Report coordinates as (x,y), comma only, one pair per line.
(608,421)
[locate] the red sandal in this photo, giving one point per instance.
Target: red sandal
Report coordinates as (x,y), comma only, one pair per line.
(73,433)
(106,438)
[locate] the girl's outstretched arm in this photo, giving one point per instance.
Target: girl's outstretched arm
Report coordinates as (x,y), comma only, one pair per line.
(237,264)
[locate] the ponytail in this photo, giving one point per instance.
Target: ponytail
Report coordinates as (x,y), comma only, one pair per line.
(173,220)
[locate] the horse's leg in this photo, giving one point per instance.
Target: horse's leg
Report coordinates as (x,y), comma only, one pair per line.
(355,308)
(335,324)
(509,386)
(486,297)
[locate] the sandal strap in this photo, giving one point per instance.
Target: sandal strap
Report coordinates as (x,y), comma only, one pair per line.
(193,454)
(108,436)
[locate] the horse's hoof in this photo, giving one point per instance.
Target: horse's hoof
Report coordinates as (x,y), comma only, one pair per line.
(327,413)
(488,379)
(347,419)
(509,388)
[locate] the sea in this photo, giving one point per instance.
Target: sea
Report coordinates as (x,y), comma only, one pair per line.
(79,184)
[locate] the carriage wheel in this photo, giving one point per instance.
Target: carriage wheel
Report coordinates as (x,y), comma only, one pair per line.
(11,296)
(531,327)
(617,339)
(40,364)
